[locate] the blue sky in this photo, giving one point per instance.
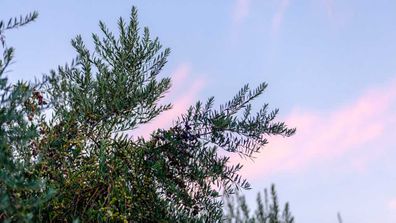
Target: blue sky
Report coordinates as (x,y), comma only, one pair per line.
(330,66)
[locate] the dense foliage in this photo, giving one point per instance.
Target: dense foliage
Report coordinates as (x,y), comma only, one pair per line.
(80,163)
(22,190)
(267,211)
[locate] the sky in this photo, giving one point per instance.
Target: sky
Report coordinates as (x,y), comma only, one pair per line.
(330,66)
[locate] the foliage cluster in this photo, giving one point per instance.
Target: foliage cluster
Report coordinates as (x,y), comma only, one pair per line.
(269,211)
(80,163)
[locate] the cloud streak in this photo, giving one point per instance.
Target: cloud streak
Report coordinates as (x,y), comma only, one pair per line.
(241,11)
(329,6)
(278,17)
(392,204)
(326,137)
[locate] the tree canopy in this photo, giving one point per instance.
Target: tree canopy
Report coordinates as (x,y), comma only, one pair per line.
(67,154)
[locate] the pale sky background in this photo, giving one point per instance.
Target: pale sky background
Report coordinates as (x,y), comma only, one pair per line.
(331,70)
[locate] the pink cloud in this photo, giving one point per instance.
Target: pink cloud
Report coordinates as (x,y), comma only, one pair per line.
(391,208)
(329,5)
(328,136)
(183,93)
(241,11)
(180,75)
(392,204)
(277,19)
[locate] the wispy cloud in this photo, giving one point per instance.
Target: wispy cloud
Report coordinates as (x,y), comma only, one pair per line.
(325,137)
(241,11)
(329,6)
(338,15)
(278,17)
(392,204)
(183,93)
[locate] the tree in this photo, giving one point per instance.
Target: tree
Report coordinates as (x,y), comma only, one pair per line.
(22,192)
(84,154)
(267,212)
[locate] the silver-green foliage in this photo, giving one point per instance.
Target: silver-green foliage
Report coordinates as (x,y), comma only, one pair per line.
(267,211)
(85,154)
